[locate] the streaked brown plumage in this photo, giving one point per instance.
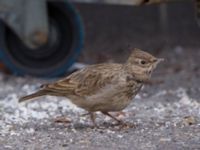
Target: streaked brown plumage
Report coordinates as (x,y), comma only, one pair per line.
(103,87)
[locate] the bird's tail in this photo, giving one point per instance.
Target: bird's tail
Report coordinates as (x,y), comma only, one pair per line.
(31,96)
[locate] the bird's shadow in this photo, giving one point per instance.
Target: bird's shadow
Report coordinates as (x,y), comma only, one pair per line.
(81,126)
(103,126)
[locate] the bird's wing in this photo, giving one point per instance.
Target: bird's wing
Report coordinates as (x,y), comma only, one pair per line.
(85,82)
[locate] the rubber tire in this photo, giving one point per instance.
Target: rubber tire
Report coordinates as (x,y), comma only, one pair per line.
(11,55)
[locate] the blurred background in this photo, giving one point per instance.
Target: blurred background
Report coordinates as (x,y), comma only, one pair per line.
(47,41)
(113,30)
(40,45)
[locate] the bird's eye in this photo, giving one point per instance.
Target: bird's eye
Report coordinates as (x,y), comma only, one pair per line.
(143,62)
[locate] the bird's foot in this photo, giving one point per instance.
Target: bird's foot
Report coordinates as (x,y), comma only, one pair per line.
(63,120)
(120,114)
(95,126)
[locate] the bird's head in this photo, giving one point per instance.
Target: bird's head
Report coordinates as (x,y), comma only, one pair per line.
(141,64)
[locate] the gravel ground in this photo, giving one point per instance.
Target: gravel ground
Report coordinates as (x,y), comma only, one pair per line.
(165,115)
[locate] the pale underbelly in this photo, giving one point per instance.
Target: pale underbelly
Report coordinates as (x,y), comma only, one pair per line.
(110,98)
(110,101)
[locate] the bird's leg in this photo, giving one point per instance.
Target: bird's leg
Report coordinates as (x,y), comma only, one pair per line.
(111,116)
(93,117)
(119,122)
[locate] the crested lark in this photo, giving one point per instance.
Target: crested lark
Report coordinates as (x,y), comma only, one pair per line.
(103,87)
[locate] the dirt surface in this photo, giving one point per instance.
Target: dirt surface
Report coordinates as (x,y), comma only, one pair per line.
(165,115)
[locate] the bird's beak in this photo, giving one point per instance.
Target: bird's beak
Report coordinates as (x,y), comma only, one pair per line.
(160,60)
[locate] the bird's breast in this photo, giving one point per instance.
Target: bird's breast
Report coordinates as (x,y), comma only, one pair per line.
(132,89)
(113,97)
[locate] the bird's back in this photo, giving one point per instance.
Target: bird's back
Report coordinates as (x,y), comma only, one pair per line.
(86,81)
